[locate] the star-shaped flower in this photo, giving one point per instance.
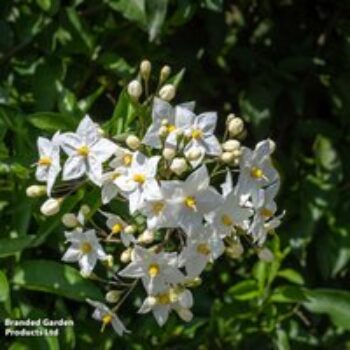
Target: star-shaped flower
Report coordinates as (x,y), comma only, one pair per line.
(86,151)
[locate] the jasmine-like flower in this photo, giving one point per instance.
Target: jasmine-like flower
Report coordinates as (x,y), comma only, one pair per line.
(161,304)
(106,316)
(193,197)
(202,246)
(86,151)
(229,215)
(256,172)
(158,271)
(48,165)
(85,248)
(165,115)
(139,182)
(200,131)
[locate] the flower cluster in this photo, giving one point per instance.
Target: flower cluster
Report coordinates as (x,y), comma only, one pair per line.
(184,198)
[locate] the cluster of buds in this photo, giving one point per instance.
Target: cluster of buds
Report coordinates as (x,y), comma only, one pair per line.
(191,196)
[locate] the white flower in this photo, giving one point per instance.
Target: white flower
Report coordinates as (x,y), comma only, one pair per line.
(200,131)
(264,219)
(48,165)
(202,246)
(193,197)
(107,316)
(158,271)
(229,215)
(86,152)
(256,172)
(168,117)
(117,227)
(162,303)
(85,249)
(139,182)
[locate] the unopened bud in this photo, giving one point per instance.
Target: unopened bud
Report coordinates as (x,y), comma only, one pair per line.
(194,154)
(86,274)
(265,254)
(70,220)
(146,237)
(113,296)
(109,261)
(167,92)
(185,314)
(231,145)
(193,282)
(130,229)
(230,117)
(227,157)
(51,206)
(235,126)
(125,256)
(135,89)
(133,142)
(235,250)
(164,74)
(242,135)
(163,131)
(151,300)
(35,191)
(178,166)
(85,209)
(169,153)
(145,69)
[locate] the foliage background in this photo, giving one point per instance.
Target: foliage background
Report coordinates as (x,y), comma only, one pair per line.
(282,65)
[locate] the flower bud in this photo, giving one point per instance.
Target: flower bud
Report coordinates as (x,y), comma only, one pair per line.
(151,300)
(178,166)
(242,135)
(230,117)
(194,154)
(85,274)
(167,92)
(237,153)
(125,256)
(135,89)
(185,314)
(146,237)
(193,282)
(130,229)
(70,220)
(113,296)
(164,74)
(163,131)
(265,254)
(235,250)
(51,206)
(35,191)
(133,142)
(231,145)
(85,209)
(227,157)
(109,260)
(235,126)
(145,69)
(169,153)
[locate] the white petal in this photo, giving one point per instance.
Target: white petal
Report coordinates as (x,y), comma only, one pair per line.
(94,170)
(88,131)
(103,149)
(132,270)
(71,255)
(74,168)
(161,314)
(207,121)
(70,142)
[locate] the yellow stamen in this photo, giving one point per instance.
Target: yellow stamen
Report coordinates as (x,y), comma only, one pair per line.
(85,248)
(107,318)
(163,299)
(203,249)
(170,128)
(197,134)
(83,150)
(127,158)
(190,202)
(45,160)
(139,178)
(157,207)
(226,220)
(256,172)
(153,270)
(117,228)
(266,213)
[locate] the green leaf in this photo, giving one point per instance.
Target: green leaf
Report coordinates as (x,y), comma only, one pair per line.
(245,290)
(133,10)
(50,121)
(334,303)
(213,5)
(52,277)
(291,276)
(4,287)
(281,340)
(10,246)
(157,12)
(288,294)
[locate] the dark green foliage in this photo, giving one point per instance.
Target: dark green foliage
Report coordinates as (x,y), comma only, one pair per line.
(284,66)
